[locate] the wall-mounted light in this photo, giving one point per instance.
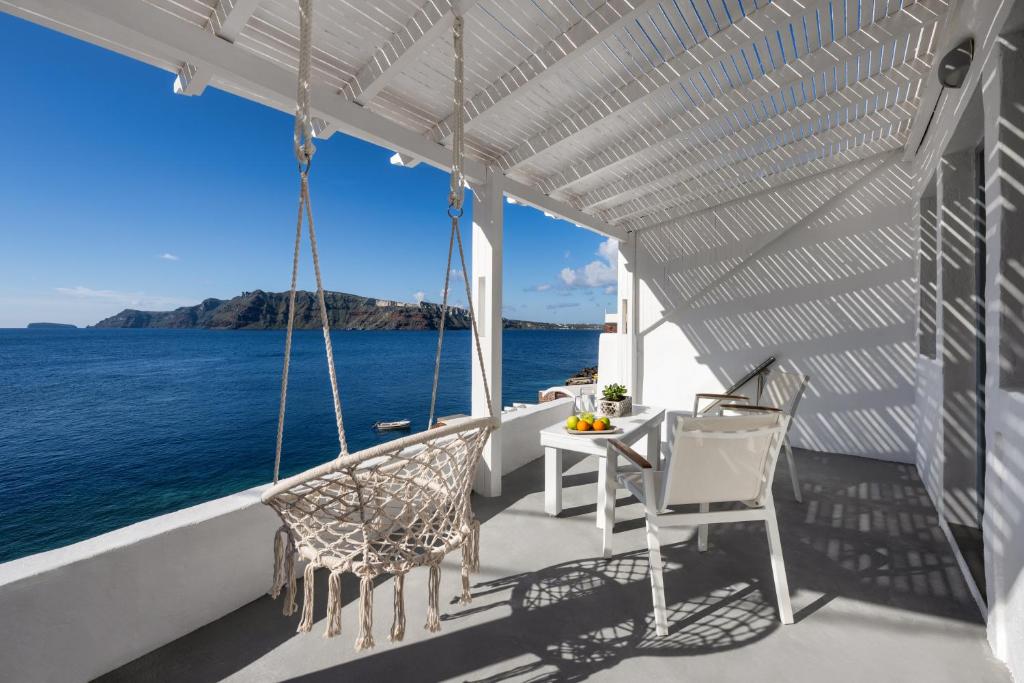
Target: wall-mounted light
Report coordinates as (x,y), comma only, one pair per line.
(954,66)
(952,73)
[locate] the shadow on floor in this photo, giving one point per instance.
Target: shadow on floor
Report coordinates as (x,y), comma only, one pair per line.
(582,617)
(867,531)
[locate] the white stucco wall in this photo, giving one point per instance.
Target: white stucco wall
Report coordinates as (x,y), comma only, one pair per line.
(820,274)
(77,612)
(520,431)
(995,26)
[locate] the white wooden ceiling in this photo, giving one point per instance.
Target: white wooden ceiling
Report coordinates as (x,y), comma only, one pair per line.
(619,114)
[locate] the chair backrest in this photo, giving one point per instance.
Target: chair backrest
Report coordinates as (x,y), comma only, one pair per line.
(783,390)
(724,459)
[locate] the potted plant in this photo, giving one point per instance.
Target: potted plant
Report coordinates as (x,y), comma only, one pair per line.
(614,401)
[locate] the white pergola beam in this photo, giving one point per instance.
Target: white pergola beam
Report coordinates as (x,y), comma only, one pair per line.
(428,24)
(715,192)
(716,152)
(229,17)
(140,29)
(399,159)
(191,80)
(882,123)
(571,45)
(226,20)
(720,114)
(768,18)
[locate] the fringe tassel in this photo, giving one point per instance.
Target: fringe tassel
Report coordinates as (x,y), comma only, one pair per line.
(434,599)
(398,625)
(365,639)
(333,605)
(281,539)
(308,583)
(289,598)
(467,554)
(474,558)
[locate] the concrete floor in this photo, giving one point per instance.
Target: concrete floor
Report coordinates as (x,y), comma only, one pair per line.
(876,590)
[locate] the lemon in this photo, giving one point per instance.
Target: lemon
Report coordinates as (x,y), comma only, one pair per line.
(572,422)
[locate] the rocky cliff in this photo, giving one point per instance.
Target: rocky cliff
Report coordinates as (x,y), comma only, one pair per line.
(261,310)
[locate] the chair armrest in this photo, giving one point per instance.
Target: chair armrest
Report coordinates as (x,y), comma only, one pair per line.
(714,397)
(740,406)
(639,460)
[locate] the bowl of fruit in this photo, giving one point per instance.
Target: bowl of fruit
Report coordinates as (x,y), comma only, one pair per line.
(587,424)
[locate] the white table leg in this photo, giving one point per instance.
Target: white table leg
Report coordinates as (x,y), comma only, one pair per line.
(552,480)
(602,489)
(609,462)
(654,447)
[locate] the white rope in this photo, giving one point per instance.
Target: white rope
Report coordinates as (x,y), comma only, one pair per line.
(303,139)
(326,324)
(456,199)
(282,402)
(304,151)
(441,327)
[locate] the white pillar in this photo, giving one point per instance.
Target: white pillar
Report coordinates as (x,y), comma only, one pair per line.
(630,366)
(486,284)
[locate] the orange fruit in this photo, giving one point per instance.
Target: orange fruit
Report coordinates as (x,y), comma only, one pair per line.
(600,426)
(583,426)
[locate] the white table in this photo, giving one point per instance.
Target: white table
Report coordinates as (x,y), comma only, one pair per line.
(644,421)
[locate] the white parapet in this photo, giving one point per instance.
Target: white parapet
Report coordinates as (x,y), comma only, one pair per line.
(520,430)
(78,612)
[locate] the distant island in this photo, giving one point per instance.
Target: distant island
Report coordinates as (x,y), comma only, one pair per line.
(51,326)
(259,310)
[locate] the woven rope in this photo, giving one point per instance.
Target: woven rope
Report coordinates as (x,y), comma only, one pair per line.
(384,510)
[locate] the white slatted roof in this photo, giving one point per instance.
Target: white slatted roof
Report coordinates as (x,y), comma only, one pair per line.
(616,114)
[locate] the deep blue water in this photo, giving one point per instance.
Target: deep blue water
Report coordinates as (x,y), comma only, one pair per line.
(102,428)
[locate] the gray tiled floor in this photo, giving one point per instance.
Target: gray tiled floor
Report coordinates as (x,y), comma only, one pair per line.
(877,593)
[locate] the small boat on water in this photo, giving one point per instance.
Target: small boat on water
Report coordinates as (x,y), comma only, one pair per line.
(393,425)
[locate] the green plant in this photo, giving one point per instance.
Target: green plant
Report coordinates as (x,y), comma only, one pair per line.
(614,392)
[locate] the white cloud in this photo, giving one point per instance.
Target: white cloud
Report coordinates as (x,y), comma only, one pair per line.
(126,299)
(166,256)
(602,272)
(420,296)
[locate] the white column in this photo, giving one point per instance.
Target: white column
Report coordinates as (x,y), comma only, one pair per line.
(486,284)
(628,291)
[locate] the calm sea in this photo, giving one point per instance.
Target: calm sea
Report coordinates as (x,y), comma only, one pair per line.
(102,428)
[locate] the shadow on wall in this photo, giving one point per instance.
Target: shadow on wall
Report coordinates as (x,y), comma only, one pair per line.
(820,274)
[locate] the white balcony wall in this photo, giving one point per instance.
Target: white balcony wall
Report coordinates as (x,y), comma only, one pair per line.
(819,273)
(75,613)
(998,71)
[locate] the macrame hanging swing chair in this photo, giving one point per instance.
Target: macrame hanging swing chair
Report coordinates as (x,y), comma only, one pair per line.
(396,506)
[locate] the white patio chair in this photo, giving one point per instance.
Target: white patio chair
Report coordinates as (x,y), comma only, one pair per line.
(783,391)
(728,459)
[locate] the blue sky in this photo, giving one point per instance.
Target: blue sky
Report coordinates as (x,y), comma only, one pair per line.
(116,193)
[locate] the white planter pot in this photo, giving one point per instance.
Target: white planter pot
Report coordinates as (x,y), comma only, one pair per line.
(615,408)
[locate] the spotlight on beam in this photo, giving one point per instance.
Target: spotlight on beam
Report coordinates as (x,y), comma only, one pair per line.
(954,66)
